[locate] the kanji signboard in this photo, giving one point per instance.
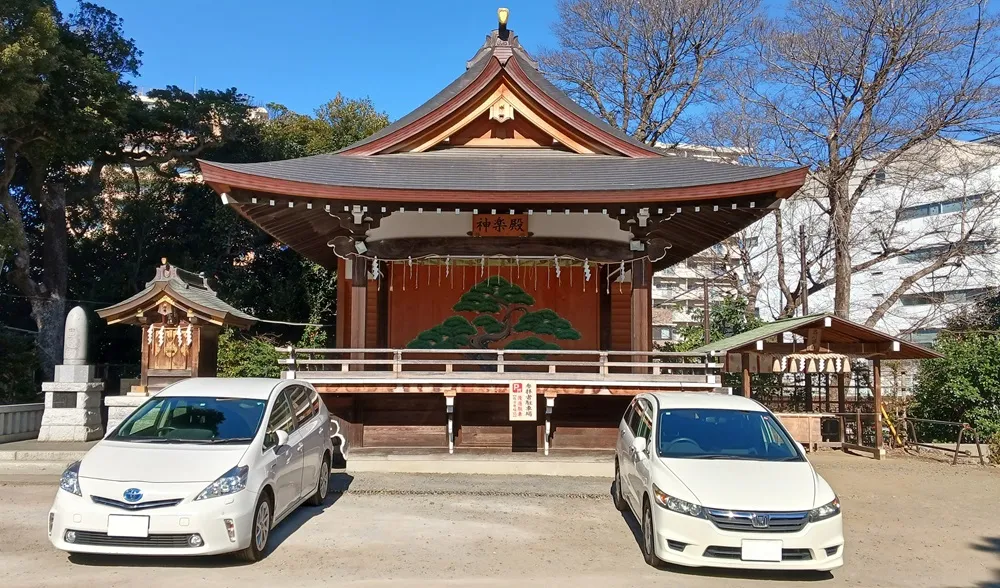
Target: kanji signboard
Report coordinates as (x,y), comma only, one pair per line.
(499,225)
(523,402)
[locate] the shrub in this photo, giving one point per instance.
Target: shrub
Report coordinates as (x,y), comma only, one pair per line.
(994,444)
(242,356)
(963,386)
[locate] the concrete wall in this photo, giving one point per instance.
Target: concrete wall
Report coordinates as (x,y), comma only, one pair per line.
(20,421)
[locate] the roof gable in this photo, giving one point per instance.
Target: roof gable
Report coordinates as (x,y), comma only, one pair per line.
(187,291)
(502,71)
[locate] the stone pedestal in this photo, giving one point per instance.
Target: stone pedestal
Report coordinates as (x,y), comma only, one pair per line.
(119,407)
(72,409)
(73,401)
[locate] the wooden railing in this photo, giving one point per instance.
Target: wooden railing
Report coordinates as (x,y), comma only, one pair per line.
(499,364)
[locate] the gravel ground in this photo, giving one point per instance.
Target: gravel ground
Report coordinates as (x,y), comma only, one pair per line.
(910,522)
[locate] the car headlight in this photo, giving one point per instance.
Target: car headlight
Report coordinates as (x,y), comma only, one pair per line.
(676,504)
(230,482)
(830,509)
(70,480)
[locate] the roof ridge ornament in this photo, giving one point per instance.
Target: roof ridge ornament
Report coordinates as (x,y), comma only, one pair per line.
(503,44)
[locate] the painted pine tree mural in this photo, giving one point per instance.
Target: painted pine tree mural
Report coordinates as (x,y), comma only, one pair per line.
(503,310)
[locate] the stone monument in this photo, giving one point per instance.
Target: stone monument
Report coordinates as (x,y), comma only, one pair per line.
(73,400)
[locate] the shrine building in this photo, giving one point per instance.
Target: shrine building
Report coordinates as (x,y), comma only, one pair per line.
(494,251)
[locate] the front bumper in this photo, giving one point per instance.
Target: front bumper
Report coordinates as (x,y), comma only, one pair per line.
(684,540)
(168,526)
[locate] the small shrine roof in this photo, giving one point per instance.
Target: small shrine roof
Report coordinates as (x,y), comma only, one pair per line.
(839,335)
(188,289)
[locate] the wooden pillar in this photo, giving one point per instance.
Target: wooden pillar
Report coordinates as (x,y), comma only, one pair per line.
(604,308)
(809,391)
(745,361)
(826,390)
(642,310)
(359,301)
(841,392)
(877,401)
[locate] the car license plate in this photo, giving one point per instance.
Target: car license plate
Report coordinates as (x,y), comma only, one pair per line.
(128,526)
(761,550)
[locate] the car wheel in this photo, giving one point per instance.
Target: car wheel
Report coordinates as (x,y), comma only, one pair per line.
(649,537)
(323,486)
(260,532)
(620,503)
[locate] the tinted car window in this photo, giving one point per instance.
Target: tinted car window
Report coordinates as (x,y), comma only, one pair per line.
(723,434)
(181,419)
(301,403)
(632,416)
(629,415)
(315,400)
(644,421)
(282,419)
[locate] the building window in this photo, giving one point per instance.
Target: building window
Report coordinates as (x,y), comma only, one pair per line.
(933,251)
(924,336)
(943,207)
(944,297)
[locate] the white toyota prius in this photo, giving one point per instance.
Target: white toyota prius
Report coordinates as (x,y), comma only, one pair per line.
(716,480)
(206,466)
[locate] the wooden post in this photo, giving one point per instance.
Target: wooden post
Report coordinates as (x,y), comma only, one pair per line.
(706,311)
(359,306)
(877,398)
(809,391)
(803,282)
(745,361)
(642,325)
(841,392)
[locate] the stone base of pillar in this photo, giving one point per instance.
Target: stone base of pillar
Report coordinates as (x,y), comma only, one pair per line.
(120,407)
(72,409)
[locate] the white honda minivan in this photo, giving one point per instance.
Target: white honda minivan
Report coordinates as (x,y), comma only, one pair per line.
(716,480)
(208,465)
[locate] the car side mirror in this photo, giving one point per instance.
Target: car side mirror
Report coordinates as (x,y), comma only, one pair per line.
(801,447)
(639,445)
(282,438)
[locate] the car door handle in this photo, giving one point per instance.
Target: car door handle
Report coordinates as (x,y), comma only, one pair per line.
(299,447)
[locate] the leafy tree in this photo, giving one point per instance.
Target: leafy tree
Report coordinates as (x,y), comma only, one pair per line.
(337,124)
(727,317)
(497,302)
(18,363)
(964,385)
(70,114)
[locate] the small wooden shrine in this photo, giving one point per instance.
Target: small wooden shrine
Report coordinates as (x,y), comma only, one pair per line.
(181,318)
(822,347)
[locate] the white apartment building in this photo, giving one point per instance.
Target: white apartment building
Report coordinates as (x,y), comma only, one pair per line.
(925,241)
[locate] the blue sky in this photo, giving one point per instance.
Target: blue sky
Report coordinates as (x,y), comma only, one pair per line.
(300,53)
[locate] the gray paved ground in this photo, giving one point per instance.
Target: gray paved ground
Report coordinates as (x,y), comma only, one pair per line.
(910,522)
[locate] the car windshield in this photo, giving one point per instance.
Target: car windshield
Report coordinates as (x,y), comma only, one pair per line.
(181,419)
(695,433)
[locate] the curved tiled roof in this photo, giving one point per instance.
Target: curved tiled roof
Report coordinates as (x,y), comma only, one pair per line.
(503,170)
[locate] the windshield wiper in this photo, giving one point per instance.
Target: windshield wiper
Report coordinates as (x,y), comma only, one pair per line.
(721,456)
(230,440)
